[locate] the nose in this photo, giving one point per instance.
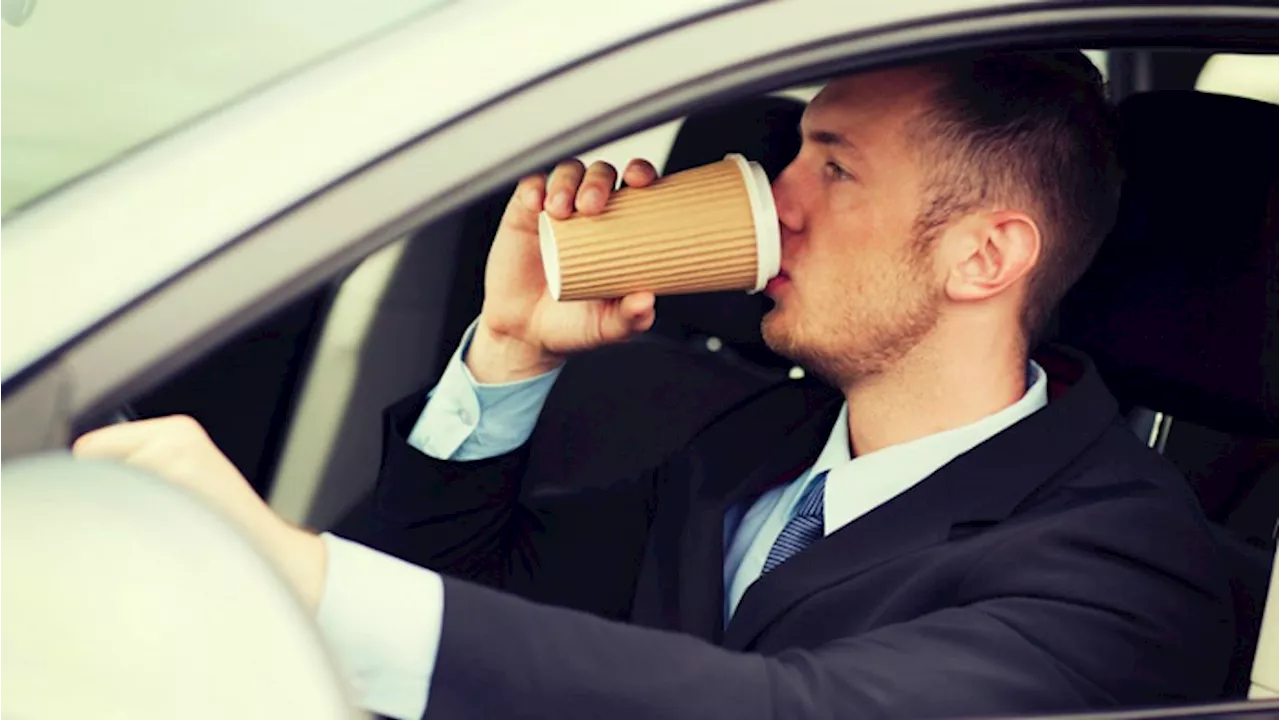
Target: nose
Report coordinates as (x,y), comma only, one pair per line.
(785,200)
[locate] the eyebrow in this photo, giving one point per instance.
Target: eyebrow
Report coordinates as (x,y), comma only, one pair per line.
(828,138)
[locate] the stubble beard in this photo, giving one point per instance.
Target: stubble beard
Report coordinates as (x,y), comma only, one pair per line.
(854,340)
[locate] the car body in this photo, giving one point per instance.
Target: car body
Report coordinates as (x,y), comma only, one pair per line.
(122,277)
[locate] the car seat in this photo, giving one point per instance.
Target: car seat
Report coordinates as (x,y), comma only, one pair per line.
(1178,311)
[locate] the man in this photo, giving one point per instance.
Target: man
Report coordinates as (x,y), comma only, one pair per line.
(969,532)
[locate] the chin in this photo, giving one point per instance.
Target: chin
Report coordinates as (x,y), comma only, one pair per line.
(779,333)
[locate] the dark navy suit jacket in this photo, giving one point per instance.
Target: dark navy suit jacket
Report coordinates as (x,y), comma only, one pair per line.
(1059,565)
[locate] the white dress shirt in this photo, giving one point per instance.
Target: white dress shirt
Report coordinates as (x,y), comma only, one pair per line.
(382,617)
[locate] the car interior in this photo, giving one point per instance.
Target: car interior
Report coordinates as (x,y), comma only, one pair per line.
(1178,311)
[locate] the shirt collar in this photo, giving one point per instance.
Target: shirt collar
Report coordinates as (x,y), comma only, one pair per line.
(855,486)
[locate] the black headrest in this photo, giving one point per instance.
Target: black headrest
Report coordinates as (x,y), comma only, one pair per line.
(1179,307)
(765,130)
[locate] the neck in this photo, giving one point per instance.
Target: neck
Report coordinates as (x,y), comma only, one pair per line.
(928,392)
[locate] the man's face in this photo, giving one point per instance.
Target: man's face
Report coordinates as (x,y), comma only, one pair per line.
(856,292)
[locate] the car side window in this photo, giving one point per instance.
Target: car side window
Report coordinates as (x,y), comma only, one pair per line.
(1250,76)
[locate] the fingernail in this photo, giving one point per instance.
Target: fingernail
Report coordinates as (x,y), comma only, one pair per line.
(562,202)
(591,197)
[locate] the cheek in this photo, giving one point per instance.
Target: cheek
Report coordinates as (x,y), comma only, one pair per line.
(847,230)
(829,273)
(852,264)
(870,227)
(839,237)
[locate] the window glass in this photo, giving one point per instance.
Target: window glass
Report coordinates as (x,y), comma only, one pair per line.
(1251,76)
(1099,59)
(83,81)
(655,143)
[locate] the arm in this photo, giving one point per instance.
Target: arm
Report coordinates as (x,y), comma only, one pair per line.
(1091,608)
(523,333)
(382,616)
(449,496)
(470,519)
(1112,601)
(466,517)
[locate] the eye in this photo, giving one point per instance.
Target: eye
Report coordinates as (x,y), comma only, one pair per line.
(833,171)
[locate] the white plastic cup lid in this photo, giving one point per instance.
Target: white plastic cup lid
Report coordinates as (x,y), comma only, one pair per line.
(550,254)
(765,216)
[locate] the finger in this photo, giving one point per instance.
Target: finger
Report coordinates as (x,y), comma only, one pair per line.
(597,185)
(639,173)
(623,318)
(562,186)
(115,441)
(636,304)
(638,311)
(125,439)
(525,204)
(531,193)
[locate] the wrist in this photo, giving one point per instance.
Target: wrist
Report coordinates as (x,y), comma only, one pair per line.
(495,358)
(301,558)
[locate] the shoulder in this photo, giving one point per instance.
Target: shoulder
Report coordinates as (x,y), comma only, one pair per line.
(1117,466)
(1117,515)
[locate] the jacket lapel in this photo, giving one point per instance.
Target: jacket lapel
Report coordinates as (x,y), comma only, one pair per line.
(727,473)
(909,522)
(982,485)
(701,590)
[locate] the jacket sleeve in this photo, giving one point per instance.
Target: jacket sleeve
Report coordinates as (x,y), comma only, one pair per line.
(1111,604)
(471,520)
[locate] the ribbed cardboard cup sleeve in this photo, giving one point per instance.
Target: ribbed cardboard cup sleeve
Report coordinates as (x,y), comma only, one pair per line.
(709,228)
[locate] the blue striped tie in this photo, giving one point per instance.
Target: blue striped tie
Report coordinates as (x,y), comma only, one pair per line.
(802,529)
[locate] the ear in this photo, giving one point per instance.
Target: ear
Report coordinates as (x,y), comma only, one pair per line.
(992,252)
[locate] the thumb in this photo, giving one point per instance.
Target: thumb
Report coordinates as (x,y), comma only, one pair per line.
(122,440)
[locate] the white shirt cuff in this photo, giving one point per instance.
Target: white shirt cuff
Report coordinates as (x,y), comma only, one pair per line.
(453,410)
(382,618)
(467,420)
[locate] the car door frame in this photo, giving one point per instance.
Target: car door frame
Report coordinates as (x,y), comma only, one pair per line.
(274,262)
(265,267)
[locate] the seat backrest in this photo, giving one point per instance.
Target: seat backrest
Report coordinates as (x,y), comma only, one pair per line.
(1179,309)
(618,410)
(1190,264)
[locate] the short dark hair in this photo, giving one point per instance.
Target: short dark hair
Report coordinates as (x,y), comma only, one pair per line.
(1028,127)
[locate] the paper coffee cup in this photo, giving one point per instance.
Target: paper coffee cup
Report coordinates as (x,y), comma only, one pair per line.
(705,229)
